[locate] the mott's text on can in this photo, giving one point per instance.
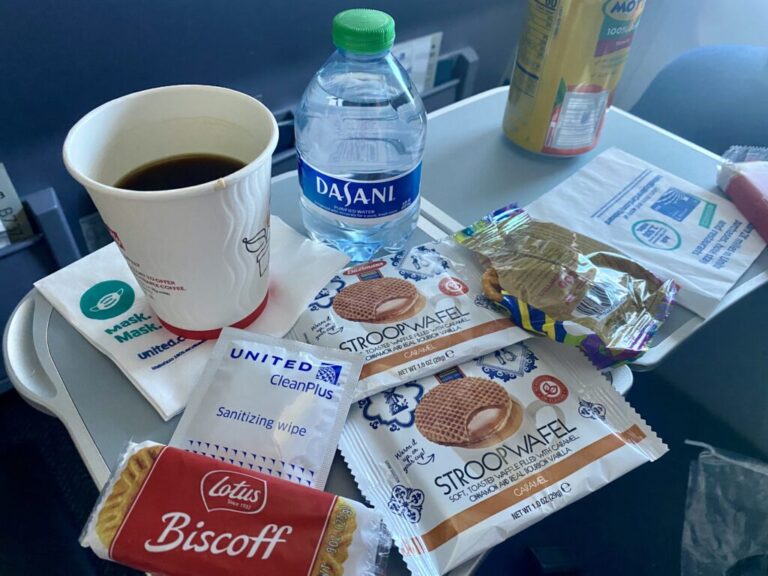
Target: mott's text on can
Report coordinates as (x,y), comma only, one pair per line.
(568,64)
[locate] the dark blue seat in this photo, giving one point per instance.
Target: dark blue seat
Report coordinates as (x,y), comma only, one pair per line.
(715,96)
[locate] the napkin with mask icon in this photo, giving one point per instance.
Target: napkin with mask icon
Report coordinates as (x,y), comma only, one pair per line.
(100,297)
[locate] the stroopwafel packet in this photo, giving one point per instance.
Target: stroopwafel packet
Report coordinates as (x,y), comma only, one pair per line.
(461,460)
(408,314)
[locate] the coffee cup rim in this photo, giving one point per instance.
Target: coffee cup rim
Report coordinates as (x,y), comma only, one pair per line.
(155,195)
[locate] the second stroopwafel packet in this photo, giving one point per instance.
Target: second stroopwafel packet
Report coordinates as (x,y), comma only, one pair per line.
(409,314)
(461,460)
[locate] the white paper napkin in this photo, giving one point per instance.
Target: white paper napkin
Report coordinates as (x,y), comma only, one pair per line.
(674,228)
(99,296)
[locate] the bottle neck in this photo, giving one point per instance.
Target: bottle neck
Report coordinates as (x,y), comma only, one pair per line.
(361,56)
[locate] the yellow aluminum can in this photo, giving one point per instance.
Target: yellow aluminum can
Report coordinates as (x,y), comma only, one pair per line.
(569,61)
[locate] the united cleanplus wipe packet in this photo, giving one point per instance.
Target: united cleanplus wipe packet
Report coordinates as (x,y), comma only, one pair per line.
(271,405)
(461,460)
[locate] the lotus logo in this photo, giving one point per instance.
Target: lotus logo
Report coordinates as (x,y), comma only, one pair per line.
(107,299)
(233,491)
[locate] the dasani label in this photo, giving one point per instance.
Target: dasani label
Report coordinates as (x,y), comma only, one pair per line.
(358,199)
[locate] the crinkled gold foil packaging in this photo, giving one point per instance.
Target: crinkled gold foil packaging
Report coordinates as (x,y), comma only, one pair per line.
(569,287)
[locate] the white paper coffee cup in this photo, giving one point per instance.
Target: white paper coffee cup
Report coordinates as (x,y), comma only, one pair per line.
(201,254)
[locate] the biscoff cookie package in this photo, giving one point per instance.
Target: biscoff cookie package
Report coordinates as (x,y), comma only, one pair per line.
(463,459)
(170,511)
(409,314)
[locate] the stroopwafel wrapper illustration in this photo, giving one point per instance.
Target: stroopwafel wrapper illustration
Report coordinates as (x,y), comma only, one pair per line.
(463,459)
(409,314)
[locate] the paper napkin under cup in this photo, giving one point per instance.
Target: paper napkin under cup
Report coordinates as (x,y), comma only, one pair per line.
(100,297)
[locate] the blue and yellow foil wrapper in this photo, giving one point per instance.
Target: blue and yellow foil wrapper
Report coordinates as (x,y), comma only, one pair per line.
(569,287)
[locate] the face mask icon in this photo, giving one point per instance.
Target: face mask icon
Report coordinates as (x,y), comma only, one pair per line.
(107,301)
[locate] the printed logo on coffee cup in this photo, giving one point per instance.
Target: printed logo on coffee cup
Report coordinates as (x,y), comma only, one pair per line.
(107,300)
(258,244)
(116,238)
(233,491)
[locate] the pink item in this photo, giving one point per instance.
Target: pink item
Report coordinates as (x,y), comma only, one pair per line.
(747,187)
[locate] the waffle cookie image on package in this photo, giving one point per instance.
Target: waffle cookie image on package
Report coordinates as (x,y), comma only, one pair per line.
(169,511)
(408,315)
(378,300)
(466,412)
(463,459)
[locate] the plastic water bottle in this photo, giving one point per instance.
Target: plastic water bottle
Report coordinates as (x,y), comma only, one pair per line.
(360,132)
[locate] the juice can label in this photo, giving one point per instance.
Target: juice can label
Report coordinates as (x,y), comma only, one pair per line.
(569,61)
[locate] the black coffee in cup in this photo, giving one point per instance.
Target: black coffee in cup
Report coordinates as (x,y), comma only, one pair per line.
(185,200)
(179,172)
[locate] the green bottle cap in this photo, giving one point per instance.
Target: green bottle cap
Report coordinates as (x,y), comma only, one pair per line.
(363,30)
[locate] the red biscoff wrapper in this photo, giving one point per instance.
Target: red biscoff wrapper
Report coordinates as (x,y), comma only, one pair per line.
(169,511)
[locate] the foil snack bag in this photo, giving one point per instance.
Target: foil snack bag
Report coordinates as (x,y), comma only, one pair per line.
(408,314)
(569,287)
(168,511)
(461,460)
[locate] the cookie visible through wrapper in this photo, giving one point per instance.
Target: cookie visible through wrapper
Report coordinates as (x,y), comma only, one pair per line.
(378,300)
(463,412)
(334,549)
(491,285)
(569,287)
(124,492)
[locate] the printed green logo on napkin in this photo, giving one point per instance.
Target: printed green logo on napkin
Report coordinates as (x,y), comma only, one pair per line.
(106,300)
